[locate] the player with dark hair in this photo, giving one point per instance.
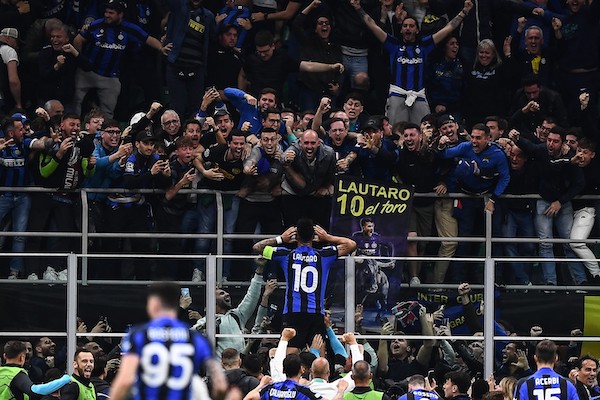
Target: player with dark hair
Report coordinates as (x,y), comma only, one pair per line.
(162,356)
(306,270)
(14,381)
(545,383)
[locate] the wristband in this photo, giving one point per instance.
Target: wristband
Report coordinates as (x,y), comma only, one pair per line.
(278,240)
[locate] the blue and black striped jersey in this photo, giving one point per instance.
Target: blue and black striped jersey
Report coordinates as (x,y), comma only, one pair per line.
(106,44)
(407,61)
(306,271)
(169,356)
(13,164)
(545,384)
(286,390)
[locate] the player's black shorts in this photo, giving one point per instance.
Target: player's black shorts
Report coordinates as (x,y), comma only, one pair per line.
(307,325)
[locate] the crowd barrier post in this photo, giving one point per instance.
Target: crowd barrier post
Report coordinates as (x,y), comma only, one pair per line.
(211,297)
(71,309)
(488,299)
(350,294)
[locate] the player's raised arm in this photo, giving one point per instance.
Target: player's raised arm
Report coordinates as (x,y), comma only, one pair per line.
(289,236)
(344,245)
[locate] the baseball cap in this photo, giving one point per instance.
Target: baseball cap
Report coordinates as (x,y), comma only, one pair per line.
(117,5)
(10,32)
(21,116)
(144,136)
(136,118)
(373,123)
(220,113)
(444,119)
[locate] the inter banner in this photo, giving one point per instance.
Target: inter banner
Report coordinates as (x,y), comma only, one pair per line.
(376,215)
(388,206)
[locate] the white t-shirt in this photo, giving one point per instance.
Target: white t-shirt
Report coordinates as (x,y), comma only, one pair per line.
(8,54)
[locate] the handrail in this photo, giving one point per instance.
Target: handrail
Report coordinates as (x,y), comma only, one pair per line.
(214,263)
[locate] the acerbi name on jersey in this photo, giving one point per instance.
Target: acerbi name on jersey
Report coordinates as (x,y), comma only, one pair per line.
(547,380)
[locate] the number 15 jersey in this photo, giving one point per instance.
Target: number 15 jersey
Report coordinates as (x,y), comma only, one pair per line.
(545,384)
(169,356)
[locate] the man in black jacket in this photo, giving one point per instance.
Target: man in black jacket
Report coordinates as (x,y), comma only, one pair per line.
(559,182)
(586,385)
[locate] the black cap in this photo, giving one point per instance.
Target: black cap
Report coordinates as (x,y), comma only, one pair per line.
(220,113)
(444,119)
(373,123)
(117,5)
(144,136)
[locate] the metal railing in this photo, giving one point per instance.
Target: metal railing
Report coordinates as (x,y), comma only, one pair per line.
(213,273)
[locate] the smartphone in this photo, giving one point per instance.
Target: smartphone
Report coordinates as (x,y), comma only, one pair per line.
(185,292)
(272,310)
(430,375)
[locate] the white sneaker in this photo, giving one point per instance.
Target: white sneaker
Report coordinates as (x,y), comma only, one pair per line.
(197,275)
(33,277)
(414,281)
(62,275)
(50,274)
(13,275)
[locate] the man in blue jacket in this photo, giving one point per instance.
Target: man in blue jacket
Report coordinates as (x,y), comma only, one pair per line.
(481,169)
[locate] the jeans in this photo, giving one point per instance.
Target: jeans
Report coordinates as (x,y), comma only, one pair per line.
(208,218)
(18,205)
(564,222)
(519,224)
(583,222)
(469,224)
(355,64)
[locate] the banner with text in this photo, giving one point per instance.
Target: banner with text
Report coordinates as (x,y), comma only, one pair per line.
(376,215)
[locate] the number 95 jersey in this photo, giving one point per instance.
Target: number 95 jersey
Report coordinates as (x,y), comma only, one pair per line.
(169,356)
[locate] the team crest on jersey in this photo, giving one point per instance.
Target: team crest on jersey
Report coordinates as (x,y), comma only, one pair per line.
(418,50)
(236,171)
(129,167)
(120,36)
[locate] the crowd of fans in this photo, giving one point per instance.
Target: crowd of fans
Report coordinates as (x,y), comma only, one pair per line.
(339,361)
(271,103)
